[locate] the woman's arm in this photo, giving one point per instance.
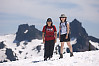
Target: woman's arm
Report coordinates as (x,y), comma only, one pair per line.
(43,37)
(59,32)
(55,37)
(67,30)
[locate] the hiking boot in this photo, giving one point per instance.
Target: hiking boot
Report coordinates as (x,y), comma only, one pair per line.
(45,59)
(50,57)
(71,54)
(61,56)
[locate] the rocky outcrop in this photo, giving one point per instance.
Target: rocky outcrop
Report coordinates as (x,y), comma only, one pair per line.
(2,45)
(27,33)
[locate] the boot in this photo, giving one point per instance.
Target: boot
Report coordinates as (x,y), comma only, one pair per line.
(71,54)
(61,56)
(45,59)
(50,57)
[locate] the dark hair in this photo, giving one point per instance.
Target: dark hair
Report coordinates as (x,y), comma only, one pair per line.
(64,20)
(51,23)
(49,20)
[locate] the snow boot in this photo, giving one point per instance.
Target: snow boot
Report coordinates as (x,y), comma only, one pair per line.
(61,56)
(71,54)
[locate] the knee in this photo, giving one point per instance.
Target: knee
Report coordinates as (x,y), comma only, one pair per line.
(62,46)
(69,44)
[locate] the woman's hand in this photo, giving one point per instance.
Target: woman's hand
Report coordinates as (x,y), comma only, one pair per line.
(55,40)
(43,41)
(59,38)
(67,36)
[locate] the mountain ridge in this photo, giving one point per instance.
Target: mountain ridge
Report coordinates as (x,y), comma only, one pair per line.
(27,33)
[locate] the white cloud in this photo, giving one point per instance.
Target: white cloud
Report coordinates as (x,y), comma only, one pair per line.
(41,9)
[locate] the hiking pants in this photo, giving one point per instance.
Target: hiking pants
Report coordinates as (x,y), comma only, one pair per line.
(49,48)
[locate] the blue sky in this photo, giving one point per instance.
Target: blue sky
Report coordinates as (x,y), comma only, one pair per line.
(35,12)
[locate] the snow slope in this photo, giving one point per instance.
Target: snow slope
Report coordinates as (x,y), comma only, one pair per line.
(28,50)
(31,54)
(80,59)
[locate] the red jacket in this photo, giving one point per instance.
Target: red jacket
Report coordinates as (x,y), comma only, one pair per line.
(49,33)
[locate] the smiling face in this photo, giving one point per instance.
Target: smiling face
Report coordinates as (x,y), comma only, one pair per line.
(63,19)
(49,23)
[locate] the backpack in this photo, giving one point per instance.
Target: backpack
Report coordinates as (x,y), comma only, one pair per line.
(46,28)
(66,26)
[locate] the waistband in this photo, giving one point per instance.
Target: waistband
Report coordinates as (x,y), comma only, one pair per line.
(50,36)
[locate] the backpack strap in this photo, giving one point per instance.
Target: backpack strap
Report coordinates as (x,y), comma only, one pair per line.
(53,28)
(60,26)
(66,23)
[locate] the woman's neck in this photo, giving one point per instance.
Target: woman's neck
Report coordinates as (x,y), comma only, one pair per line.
(62,21)
(49,25)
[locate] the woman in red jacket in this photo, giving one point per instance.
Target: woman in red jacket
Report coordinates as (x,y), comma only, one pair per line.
(49,36)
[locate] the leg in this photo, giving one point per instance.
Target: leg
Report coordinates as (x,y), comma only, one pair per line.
(52,43)
(46,50)
(62,46)
(70,48)
(61,50)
